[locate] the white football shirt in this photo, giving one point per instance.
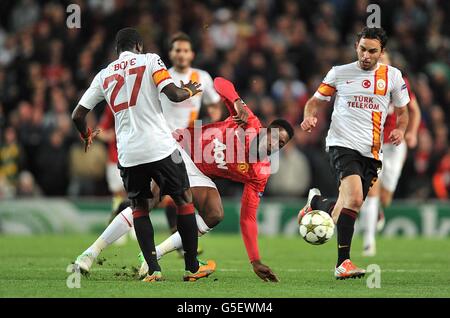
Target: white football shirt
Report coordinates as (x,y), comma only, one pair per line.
(182,115)
(131,85)
(361,105)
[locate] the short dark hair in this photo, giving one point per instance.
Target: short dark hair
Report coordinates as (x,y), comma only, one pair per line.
(282,123)
(127,38)
(179,36)
(373,33)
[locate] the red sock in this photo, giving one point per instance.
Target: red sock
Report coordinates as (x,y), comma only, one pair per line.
(187,227)
(139,213)
(186,209)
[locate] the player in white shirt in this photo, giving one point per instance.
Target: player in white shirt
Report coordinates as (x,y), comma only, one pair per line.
(364,89)
(394,157)
(182,115)
(132,85)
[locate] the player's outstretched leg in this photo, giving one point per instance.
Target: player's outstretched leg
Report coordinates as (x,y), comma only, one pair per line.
(210,213)
(122,206)
(170,210)
(307,208)
(119,226)
(173,243)
(316,202)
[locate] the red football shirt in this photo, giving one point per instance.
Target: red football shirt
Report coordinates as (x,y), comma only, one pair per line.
(107,122)
(222,150)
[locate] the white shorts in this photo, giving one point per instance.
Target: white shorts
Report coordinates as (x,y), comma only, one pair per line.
(113,178)
(196,177)
(393,160)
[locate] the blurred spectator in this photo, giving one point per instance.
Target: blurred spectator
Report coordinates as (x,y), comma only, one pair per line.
(287,85)
(293,177)
(24,14)
(224,31)
(276,52)
(52,165)
(416,179)
(10,157)
(87,169)
(441,179)
(26,186)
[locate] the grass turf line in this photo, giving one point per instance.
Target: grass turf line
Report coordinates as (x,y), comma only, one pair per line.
(36,267)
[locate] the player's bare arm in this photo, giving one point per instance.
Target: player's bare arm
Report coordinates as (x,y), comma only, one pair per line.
(79,118)
(177,94)
(310,114)
(264,272)
(241,116)
(398,133)
(234,103)
(413,124)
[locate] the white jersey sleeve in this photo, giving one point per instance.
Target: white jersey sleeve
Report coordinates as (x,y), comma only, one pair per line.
(399,94)
(210,95)
(158,69)
(328,86)
(94,94)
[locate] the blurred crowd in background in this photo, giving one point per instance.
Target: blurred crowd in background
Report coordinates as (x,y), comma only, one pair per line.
(276,52)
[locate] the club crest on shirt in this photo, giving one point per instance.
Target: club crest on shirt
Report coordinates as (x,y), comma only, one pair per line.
(243,167)
(381,84)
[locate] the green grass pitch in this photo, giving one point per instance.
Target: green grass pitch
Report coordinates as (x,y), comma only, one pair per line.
(36,267)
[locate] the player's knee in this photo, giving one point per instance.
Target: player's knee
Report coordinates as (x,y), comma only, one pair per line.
(184,198)
(385,198)
(214,217)
(355,202)
(122,206)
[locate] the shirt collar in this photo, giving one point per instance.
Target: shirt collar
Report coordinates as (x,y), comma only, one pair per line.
(125,53)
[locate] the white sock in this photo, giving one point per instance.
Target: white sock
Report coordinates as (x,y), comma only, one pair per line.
(169,245)
(202,227)
(174,241)
(370,209)
(120,226)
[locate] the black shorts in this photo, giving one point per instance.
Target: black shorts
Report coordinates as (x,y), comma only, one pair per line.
(346,162)
(169,174)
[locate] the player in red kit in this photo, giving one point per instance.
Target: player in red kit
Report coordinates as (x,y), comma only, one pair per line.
(237,149)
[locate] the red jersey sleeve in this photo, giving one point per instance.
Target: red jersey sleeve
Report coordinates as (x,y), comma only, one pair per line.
(107,119)
(249,226)
(408,87)
(227,91)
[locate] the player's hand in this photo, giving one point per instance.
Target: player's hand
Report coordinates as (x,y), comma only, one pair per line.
(396,136)
(264,272)
(88,138)
(411,140)
(308,123)
(241,116)
(194,87)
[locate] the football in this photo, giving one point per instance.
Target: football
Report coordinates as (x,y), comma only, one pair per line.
(316,227)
